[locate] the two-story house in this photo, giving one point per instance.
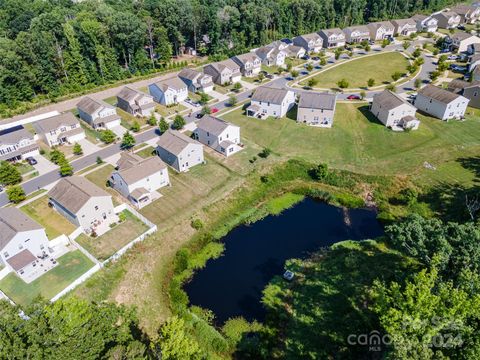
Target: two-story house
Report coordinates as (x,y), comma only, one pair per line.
(312,43)
(271,56)
(218,134)
(169,91)
(84,204)
(469,14)
(469,90)
(381,30)
(97,113)
(137,179)
(332,38)
(425,23)
(393,111)
(135,102)
(179,151)
(404,27)
(447,19)
(461,41)
(59,129)
(356,34)
(250,64)
(316,109)
(23,242)
(196,81)
(268,101)
(17,144)
(441,103)
(224,72)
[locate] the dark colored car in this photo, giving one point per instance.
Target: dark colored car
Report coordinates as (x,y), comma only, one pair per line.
(306,57)
(31,160)
(199,115)
(315,58)
(353,97)
(461,27)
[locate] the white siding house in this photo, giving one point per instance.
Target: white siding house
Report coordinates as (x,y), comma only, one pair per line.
(249,63)
(393,111)
(224,72)
(196,81)
(381,30)
(179,151)
(59,129)
(356,34)
(220,135)
(97,113)
(425,23)
(441,103)
(267,101)
(332,38)
(17,144)
(310,42)
(169,91)
(137,179)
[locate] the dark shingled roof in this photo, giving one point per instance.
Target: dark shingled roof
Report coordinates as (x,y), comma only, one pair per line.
(14,135)
(174,141)
(313,100)
(213,124)
(54,122)
(269,94)
(13,221)
(22,259)
(389,100)
(90,105)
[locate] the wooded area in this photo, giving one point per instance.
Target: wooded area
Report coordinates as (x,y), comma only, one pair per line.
(52,48)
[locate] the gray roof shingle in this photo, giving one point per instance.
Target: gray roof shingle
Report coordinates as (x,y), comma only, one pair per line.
(13,221)
(311,100)
(140,169)
(55,122)
(90,105)
(439,94)
(14,135)
(174,141)
(269,94)
(213,125)
(389,100)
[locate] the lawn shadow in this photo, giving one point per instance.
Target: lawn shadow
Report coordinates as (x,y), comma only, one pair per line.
(365,110)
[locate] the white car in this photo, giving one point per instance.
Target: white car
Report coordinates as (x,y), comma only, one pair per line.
(452,57)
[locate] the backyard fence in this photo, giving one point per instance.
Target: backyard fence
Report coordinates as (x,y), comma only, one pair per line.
(77,282)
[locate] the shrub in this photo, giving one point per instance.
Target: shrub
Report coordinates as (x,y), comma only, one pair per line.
(163,125)
(77,149)
(9,174)
(16,194)
(343,83)
(135,126)
(179,122)
(265,153)
(181,260)
(152,121)
(99,160)
(107,136)
(197,224)
(371,82)
(122,216)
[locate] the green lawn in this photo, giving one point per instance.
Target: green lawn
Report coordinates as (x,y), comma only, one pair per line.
(146,152)
(24,167)
(70,267)
(54,223)
(379,67)
(100,178)
(104,246)
(170,110)
(359,143)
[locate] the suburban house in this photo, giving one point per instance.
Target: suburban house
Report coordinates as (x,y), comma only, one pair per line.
(179,151)
(196,81)
(169,91)
(404,27)
(317,109)
(279,44)
(268,101)
(441,103)
(447,19)
(461,41)
(59,129)
(271,55)
(224,72)
(97,113)
(84,204)
(469,14)
(393,111)
(137,179)
(218,134)
(23,244)
(474,49)
(356,34)
(135,102)
(249,63)
(425,23)
(310,42)
(16,144)
(381,30)
(469,90)
(473,62)
(294,51)
(332,38)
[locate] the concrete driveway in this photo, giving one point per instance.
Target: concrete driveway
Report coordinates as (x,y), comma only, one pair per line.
(88,147)
(43,166)
(119,130)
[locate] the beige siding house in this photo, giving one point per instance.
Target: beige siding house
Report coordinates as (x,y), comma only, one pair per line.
(332,38)
(394,112)
(196,81)
(268,101)
(441,103)
(59,129)
(404,27)
(249,63)
(137,179)
(17,144)
(219,135)
(469,14)
(470,90)
(310,42)
(447,19)
(224,72)
(381,30)
(356,34)
(84,204)
(179,151)
(135,102)
(97,113)
(462,41)
(316,109)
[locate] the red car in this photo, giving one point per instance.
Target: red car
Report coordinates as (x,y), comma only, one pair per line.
(353,97)
(214,110)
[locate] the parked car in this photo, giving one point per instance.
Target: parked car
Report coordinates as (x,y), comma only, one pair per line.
(1,188)
(455,67)
(371,42)
(353,97)
(31,160)
(306,57)
(461,27)
(315,58)
(452,57)
(214,110)
(443,51)
(269,76)
(199,115)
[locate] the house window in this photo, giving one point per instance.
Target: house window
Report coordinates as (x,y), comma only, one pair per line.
(5,254)
(20,247)
(208,134)
(96,207)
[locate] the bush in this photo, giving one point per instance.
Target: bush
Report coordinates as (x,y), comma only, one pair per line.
(319,194)
(77,149)
(265,153)
(343,83)
(152,121)
(163,125)
(181,260)
(197,224)
(9,174)
(107,136)
(99,160)
(122,216)
(135,126)
(16,194)
(350,201)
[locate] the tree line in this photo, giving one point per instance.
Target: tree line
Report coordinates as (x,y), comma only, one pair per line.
(52,48)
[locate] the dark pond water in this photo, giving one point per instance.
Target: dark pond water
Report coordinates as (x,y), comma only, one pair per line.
(232,284)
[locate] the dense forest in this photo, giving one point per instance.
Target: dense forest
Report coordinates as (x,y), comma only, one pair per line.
(52,48)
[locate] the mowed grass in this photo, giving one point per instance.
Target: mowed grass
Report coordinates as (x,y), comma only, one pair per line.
(54,223)
(100,177)
(70,266)
(379,67)
(104,246)
(146,152)
(358,142)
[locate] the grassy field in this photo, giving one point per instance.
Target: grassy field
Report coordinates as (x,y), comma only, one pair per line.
(171,110)
(146,152)
(70,267)
(379,67)
(358,142)
(100,178)
(54,223)
(104,246)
